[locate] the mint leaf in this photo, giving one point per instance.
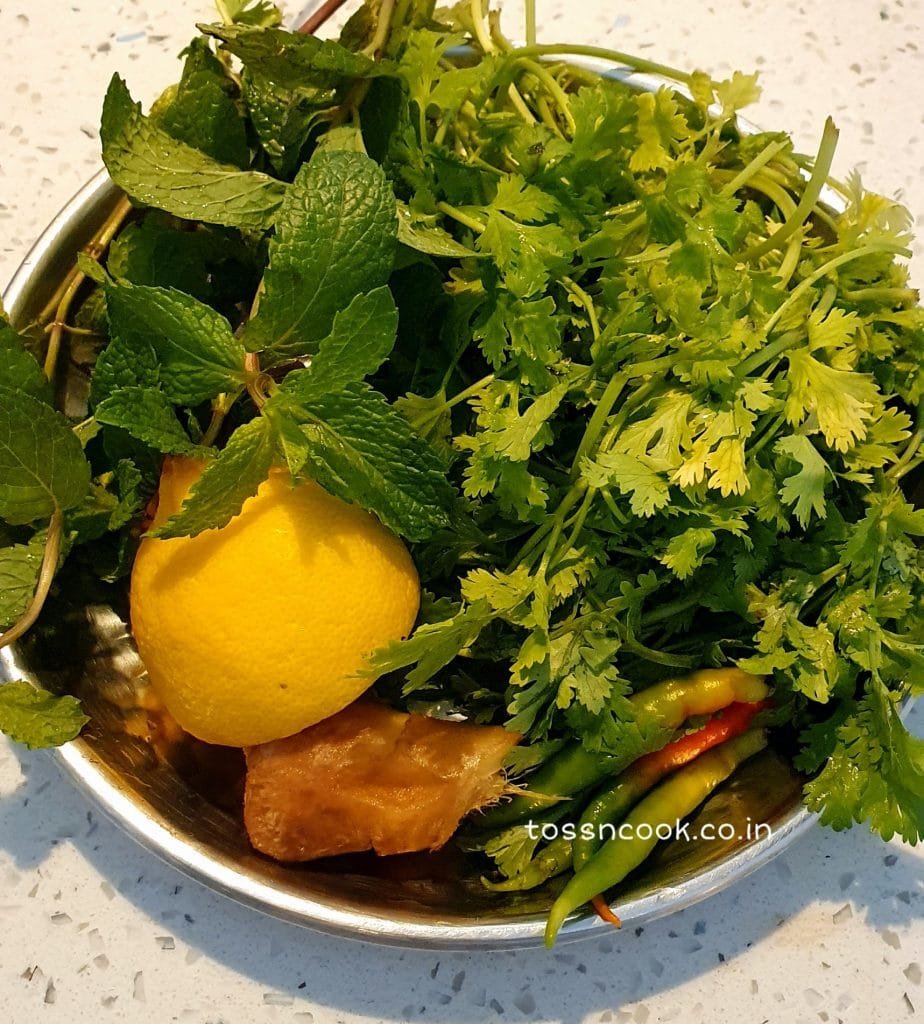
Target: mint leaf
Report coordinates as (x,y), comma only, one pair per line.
(361,449)
(18,368)
(42,466)
(291,59)
(227,482)
(335,238)
(127,361)
(359,342)
(283,117)
(157,251)
(197,354)
(36,718)
(157,170)
(19,571)
(148,416)
(202,113)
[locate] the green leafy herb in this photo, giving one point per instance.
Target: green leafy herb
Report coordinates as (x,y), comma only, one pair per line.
(18,368)
(190,347)
(335,238)
(42,466)
(227,482)
(201,111)
(362,450)
(36,718)
(20,565)
(292,60)
(158,170)
(359,342)
(638,402)
(147,415)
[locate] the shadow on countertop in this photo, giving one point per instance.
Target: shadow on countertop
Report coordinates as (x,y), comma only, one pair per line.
(853,870)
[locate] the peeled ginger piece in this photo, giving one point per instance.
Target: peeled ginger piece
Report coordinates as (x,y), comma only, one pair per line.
(370,778)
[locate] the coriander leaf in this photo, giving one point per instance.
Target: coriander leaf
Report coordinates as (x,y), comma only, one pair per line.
(335,238)
(843,400)
(37,719)
(157,170)
(431,646)
(805,489)
(431,419)
(201,112)
(362,450)
(633,475)
(526,254)
(18,368)
(359,342)
(20,565)
(256,13)
(226,483)
(198,356)
(685,552)
(512,849)
(292,59)
(148,416)
(42,466)
(875,773)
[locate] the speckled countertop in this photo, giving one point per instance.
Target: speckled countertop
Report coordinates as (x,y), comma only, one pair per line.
(94,929)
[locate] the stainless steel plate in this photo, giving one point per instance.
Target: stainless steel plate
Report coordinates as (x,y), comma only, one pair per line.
(182,800)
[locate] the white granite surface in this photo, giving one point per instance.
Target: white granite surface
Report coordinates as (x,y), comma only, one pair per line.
(94,929)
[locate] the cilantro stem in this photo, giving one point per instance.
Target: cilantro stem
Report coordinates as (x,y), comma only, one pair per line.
(530,12)
(750,169)
(768,435)
(462,218)
(478,23)
(600,52)
(902,466)
(578,523)
(882,295)
(908,468)
(810,196)
(555,90)
(382,28)
(604,407)
(770,352)
(548,118)
(517,100)
(586,301)
(46,575)
(615,511)
(471,390)
(672,608)
(774,191)
(558,524)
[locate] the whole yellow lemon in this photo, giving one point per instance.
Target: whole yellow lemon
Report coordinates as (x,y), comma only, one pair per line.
(255,631)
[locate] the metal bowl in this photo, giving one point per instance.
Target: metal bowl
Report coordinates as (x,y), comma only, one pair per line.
(182,800)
